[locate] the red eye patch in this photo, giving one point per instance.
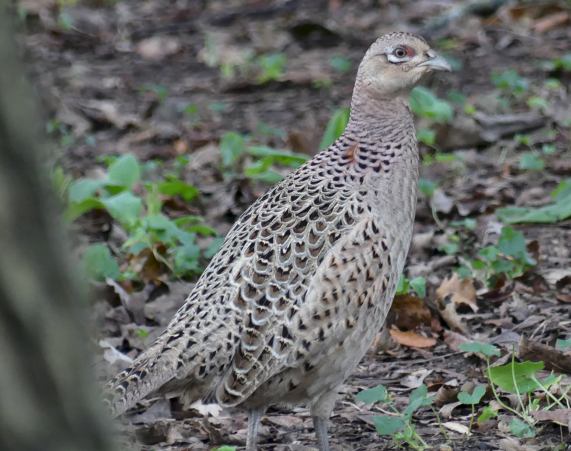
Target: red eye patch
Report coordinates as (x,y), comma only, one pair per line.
(409,51)
(404,51)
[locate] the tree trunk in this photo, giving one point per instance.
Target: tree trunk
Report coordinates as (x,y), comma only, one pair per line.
(48,399)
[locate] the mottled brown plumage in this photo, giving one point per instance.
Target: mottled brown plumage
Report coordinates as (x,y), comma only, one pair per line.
(305,278)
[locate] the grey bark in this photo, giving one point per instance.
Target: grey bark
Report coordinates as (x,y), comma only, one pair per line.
(48,399)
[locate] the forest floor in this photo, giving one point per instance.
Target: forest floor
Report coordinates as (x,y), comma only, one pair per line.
(167,81)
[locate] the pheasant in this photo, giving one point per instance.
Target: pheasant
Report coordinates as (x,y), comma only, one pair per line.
(305,278)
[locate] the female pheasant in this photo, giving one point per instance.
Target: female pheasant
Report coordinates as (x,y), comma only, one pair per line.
(305,278)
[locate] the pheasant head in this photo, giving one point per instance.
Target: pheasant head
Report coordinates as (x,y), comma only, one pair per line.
(394,64)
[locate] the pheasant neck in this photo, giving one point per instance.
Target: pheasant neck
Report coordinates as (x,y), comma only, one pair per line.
(377,116)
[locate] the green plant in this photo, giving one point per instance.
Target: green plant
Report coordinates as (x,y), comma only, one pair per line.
(426,104)
(416,285)
(137,207)
(340,64)
(562,63)
(510,82)
(509,258)
(335,127)
(272,67)
(426,136)
(558,210)
(520,379)
(472,399)
(538,103)
(398,426)
(60,131)
(235,147)
(531,161)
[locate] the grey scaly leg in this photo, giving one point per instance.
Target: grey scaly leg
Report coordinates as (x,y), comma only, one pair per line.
(254,417)
(320,412)
(320,425)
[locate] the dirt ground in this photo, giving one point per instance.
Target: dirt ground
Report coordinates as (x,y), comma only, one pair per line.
(117,77)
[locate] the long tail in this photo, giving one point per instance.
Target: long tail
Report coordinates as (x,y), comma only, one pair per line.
(152,370)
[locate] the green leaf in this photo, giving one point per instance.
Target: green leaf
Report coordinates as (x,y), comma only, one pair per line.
(426,136)
(82,189)
(125,171)
(563,344)
(232,145)
(481,348)
(387,425)
(548,214)
(373,395)
(99,263)
(186,258)
(425,104)
(474,398)
(512,243)
(175,187)
(521,429)
(75,210)
(427,187)
(563,191)
(340,63)
(418,398)
(510,81)
(489,253)
(226,448)
(403,285)
(335,127)
(124,207)
(515,377)
(278,156)
(464,272)
(537,103)
(418,284)
(488,413)
(530,161)
(273,67)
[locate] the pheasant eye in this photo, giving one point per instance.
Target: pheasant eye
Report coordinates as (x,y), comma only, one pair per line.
(400,52)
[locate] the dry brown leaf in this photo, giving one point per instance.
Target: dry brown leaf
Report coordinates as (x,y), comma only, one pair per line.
(409,311)
(552,21)
(452,293)
(559,416)
(459,291)
(454,340)
(412,339)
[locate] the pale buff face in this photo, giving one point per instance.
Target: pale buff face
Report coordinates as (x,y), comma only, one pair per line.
(395,63)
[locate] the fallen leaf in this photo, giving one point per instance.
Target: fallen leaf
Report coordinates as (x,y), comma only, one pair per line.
(559,416)
(286,421)
(446,410)
(452,293)
(456,427)
(441,202)
(454,339)
(409,311)
(416,378)
(552,21)
(158,48)
(459,291)
(412,339)
(112,355)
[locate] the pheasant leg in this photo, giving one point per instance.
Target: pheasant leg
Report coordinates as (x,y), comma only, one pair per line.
(320,426)
(254,417)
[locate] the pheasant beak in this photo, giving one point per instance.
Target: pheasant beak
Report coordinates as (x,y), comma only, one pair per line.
(436,62)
